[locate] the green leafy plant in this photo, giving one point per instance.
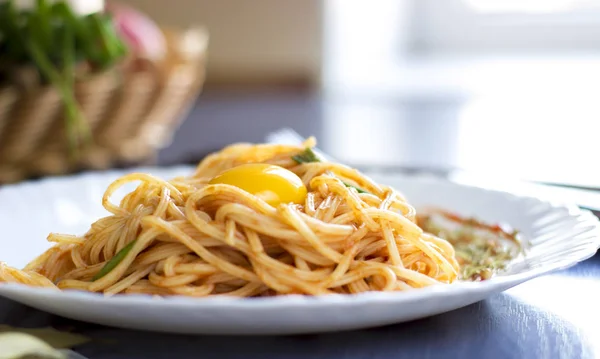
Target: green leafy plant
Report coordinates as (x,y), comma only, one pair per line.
(56,42)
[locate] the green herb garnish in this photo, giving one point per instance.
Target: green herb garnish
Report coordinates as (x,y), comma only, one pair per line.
(356,188)
(309,156)
(114,261)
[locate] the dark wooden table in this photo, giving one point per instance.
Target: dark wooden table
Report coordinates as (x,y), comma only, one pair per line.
(555,316)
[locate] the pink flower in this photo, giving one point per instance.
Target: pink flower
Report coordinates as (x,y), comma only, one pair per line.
(142,34)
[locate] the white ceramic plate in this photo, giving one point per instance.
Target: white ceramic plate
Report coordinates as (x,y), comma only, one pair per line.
(559,236)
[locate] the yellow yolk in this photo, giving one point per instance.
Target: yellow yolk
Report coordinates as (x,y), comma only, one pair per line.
(272,183)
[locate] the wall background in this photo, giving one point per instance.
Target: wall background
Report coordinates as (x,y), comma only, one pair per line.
(251,42)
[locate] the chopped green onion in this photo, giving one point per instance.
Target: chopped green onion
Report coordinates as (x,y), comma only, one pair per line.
(114,261)
(356,188)
(309,156)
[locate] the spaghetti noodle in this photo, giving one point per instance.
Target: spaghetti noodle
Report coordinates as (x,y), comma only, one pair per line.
(196,236)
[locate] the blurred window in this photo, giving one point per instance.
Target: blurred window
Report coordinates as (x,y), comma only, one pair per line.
(385,49)
(505,25)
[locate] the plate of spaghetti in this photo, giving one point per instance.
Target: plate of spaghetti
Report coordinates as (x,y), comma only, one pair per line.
(273,239)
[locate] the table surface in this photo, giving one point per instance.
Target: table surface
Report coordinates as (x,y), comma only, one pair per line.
(555,316)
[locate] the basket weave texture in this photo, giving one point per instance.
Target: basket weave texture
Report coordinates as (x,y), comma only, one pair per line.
(132,112)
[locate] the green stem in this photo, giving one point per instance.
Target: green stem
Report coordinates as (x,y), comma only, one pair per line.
(82,129)
(74,121)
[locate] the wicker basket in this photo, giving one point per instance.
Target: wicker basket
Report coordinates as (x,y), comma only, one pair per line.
(132,112)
